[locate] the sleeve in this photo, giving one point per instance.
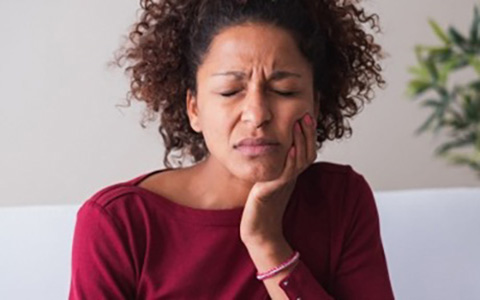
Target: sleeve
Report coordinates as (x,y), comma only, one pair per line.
(300,284)
(101,261)
(362,272)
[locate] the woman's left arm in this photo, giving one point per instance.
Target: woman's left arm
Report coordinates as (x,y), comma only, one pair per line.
(361,273)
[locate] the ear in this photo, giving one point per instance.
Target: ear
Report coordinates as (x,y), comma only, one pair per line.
(192,111)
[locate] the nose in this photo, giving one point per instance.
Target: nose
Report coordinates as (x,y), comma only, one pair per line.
(256,109)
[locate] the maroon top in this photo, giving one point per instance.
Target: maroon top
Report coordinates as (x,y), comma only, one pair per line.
(131,243)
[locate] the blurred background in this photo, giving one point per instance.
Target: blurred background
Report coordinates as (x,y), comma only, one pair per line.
(64,136)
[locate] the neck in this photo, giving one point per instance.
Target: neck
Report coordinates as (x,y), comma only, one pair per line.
(217,188)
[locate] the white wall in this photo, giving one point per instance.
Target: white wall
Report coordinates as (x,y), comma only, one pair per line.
(63,138)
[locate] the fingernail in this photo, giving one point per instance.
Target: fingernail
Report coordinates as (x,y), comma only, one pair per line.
(308,119)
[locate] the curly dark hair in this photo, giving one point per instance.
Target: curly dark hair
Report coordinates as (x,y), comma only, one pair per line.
(166,46)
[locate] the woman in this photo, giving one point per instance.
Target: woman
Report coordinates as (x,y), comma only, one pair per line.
(249,90)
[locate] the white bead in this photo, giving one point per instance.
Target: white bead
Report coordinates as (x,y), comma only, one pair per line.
(298,298)
(285,282)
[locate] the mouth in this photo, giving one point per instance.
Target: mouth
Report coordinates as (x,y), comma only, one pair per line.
(256,150)
(256,146)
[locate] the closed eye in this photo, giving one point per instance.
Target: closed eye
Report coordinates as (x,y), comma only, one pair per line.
(286,94)
(228,94)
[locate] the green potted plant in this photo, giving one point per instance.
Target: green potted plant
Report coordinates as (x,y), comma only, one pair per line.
(455,106)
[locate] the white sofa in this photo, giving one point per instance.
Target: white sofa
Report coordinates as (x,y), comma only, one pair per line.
(431,239)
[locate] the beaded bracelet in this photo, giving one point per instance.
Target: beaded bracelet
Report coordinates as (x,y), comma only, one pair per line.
(292,259)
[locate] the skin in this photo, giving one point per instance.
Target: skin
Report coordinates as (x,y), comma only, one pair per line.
(255,107)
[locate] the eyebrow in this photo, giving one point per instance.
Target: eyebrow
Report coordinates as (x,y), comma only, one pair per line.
(276,75)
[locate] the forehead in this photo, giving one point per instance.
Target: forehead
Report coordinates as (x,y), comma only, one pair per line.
(254,45)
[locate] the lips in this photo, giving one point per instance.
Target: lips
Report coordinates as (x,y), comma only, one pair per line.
(256,146)
(256,142)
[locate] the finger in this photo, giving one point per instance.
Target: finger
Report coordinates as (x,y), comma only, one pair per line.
(289,169)
(299,140)
(310,136)
(291,165)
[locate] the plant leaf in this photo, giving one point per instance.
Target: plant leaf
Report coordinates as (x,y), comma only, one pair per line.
(474,27)
(426,124)
(432,103)
(457,38)
(472,109)
(420,71)
(472,160)
(439,31)
(417,87)
(468,140)
(445,70)
(441,54)
(432,69)
(475,85)
(475,62)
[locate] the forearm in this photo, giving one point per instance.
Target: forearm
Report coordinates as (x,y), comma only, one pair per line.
(268,255)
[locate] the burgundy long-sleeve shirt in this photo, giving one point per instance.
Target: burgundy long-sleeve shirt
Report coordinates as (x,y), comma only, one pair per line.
(131,243)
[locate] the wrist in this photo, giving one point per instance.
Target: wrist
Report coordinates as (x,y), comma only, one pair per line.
(268,255)
(261,241)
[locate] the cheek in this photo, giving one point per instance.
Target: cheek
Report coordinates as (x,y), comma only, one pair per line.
(294,113)
(216,126)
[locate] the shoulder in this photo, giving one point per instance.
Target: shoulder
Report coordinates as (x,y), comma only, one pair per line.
(114,198)
(339,185)
(345,188)
(108,196)
(119,209)
(112,222)
(331,174)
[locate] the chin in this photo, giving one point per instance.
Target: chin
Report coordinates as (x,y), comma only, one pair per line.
(258,170)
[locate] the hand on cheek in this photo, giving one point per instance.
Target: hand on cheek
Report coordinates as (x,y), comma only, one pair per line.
(304,143)
(266,203)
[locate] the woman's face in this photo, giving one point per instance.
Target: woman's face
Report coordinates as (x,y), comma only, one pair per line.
(253,83)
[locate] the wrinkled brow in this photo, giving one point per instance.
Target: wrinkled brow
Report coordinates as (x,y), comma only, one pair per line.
(276,75)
